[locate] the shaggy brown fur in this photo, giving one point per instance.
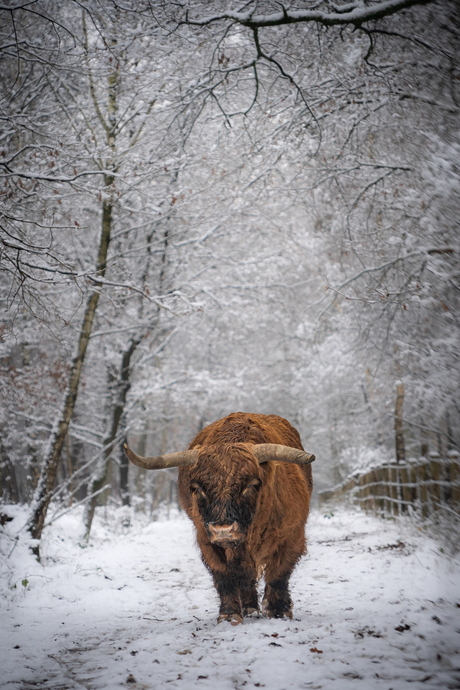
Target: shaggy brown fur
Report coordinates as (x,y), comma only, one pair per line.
(249,518)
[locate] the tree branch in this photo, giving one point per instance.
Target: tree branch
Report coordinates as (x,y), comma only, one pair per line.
(355,14)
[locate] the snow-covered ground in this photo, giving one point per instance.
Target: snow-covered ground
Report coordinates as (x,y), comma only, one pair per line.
(376,605)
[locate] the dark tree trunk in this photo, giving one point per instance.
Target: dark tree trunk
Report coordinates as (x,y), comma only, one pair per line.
(100,476)
(124,467)
(9,492)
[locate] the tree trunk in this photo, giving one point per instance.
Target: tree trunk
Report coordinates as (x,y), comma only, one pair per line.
(100,476)
(56,441)
(9,492)
(399,436)
(124,473)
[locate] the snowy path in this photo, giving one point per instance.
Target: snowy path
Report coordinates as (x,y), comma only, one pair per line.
(376,605)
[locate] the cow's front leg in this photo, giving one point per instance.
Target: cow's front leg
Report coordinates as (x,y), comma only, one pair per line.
(249,598)
(247,583)
(277,601)
(230,602)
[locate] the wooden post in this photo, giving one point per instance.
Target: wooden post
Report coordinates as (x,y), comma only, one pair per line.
(394,489)
(365,491)
(404,474)
(378,490)
(386,489)
(359,491)
(455,480)
(412,473)
(435,475)
(399,436)
(422,471)
(369,490)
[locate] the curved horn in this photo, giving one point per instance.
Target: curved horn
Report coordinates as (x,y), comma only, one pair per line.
(162,462)
(266,452)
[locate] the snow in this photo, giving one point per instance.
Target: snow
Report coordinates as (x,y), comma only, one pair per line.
(376,605)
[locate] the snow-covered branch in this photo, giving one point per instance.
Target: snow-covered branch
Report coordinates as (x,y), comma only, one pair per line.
(354,13)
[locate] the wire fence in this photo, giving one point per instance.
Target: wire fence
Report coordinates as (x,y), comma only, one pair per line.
(424,486)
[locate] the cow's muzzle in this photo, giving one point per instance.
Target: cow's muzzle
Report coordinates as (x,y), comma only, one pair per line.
(225,535)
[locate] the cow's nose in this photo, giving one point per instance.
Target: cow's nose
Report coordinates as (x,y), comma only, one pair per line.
(223,532)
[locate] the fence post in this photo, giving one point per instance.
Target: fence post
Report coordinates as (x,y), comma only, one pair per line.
(423,491)
(393,472)
(386,488)
(414,485)
(434,487)
(368,491)
(453,458)
(399,436)
(379,489)
(360,491)
(404,474)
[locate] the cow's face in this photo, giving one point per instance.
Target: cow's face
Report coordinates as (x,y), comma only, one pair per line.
(225,484)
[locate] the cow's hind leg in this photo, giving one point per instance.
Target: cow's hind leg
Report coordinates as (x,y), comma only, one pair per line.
(277,601)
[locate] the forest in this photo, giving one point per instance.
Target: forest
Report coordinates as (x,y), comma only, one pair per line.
(217,206)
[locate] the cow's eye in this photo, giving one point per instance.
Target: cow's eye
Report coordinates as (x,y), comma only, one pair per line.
(197,489)
(254,484)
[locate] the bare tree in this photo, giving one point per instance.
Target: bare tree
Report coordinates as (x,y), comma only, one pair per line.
(105,126)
